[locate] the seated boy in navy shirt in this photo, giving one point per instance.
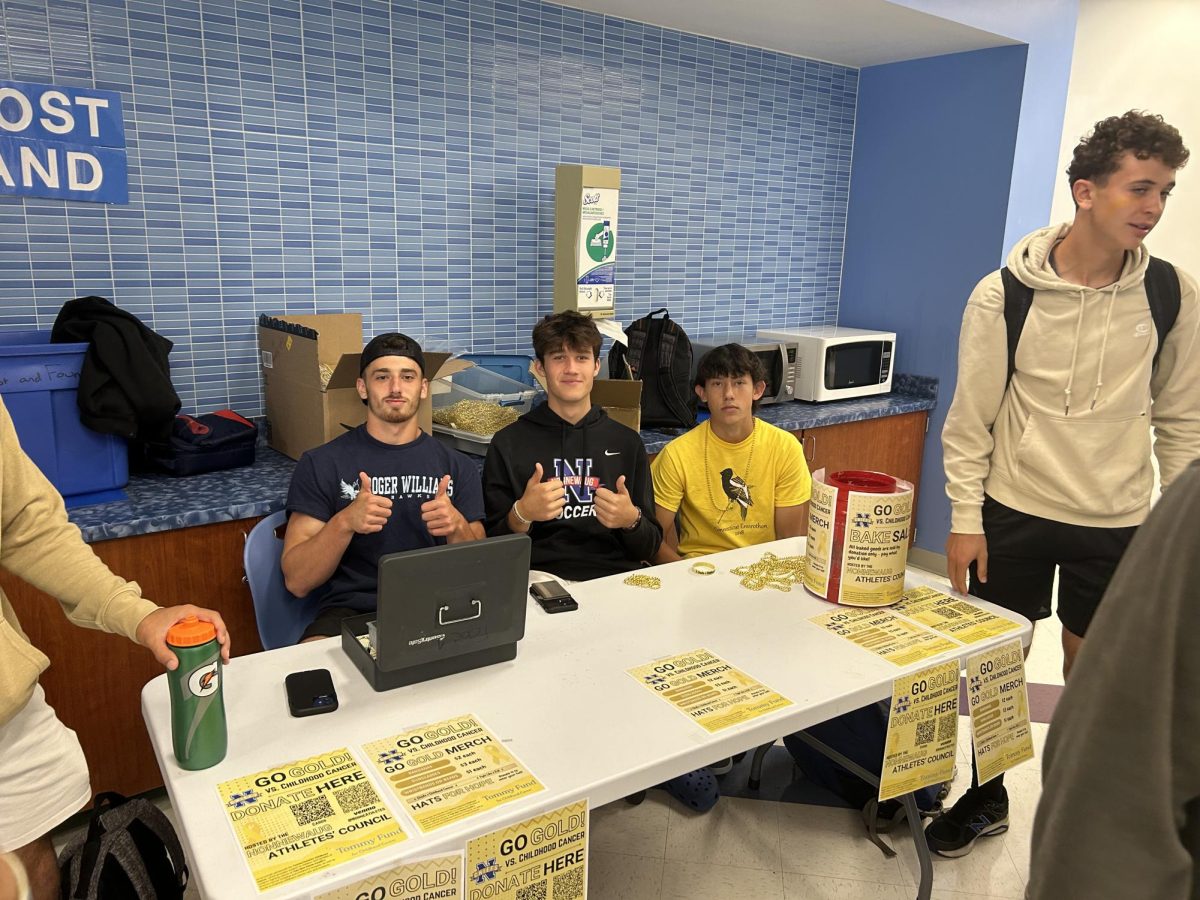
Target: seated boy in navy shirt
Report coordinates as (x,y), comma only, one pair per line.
(382,487)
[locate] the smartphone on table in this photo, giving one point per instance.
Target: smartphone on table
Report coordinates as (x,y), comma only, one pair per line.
(552,597)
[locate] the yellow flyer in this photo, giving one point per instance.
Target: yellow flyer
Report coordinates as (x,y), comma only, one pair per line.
(427,879)
(708,690)
(543,857)
(818,548)
(884,633)
(301,817)
(999,702)
(450,770)
(922,735)
(952,616)
(875,550)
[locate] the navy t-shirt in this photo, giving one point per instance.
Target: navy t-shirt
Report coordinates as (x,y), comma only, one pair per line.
(326,482)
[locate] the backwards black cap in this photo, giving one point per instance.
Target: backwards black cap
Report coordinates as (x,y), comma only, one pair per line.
(393,343)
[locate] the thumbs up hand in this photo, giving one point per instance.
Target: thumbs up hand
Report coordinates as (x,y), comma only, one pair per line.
(615,509)
(441,517)
(368,513)
(542,500)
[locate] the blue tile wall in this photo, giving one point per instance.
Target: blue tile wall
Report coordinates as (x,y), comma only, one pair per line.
(303,156)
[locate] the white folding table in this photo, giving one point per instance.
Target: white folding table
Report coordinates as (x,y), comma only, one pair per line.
(566,707)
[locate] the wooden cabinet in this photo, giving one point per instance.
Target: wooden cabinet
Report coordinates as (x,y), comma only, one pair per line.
(892,444)
(95,679)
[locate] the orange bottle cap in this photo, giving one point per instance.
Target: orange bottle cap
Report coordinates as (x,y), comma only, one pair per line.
(191,632)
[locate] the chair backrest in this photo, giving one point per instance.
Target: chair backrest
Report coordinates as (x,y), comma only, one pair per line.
(281,617)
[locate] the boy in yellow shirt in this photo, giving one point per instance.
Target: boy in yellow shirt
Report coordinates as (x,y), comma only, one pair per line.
(734,480)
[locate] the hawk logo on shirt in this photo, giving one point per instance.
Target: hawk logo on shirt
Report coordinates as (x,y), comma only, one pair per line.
(349,491)
(737,491)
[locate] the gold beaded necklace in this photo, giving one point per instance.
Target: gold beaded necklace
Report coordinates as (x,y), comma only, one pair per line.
(707,471)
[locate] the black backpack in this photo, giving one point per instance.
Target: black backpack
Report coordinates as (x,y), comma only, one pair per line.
(1162,293)
(861,737)
(660,356)
(130,852)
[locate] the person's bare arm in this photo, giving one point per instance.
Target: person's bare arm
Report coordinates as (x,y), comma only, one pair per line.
(961,551)
(668,550)
(312,549)
(789,520)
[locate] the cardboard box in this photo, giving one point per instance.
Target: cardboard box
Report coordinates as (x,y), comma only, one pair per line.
(621,399)
(300,415)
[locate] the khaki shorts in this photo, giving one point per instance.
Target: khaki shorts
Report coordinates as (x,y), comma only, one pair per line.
(43,774)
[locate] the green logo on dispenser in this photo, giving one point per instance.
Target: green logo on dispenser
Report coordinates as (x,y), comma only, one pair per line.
(601,241)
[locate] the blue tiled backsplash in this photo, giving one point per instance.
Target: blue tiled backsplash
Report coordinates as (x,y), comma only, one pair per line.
(398,160)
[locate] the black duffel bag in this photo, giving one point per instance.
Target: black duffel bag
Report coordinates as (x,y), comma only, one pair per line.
(207,443)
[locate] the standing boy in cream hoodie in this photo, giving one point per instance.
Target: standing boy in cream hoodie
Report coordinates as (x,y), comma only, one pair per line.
(1053,469)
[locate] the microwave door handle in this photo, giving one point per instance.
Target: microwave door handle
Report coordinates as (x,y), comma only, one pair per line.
(813,455)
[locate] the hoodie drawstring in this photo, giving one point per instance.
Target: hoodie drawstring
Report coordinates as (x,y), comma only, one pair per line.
(1074,355)
(1112,301)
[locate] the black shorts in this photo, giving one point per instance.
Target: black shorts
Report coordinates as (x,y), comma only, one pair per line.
(1022,553)
(328,622)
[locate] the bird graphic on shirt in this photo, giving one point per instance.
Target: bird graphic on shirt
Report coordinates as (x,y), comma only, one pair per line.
(736,490)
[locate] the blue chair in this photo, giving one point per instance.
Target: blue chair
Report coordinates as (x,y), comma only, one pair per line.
(281,617)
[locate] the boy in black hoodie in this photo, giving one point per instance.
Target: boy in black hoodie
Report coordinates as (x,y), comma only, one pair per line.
(566,474)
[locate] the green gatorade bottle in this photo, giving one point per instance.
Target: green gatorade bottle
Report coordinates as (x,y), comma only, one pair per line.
(197,700)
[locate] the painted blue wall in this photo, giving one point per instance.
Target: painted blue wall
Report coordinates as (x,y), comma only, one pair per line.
(398,159)
(1048,28)
(933,157)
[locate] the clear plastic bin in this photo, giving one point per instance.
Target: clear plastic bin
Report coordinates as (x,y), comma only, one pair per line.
(510,365)
(480,384)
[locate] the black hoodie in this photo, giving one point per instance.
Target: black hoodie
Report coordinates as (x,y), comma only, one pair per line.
(593,452)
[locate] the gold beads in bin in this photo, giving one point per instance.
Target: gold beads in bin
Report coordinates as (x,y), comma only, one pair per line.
(475,416)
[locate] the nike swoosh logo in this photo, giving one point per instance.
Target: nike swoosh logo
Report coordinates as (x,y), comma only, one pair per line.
(612,452)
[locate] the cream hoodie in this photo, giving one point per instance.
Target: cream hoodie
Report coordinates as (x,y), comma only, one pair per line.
(1069,439)
(38,544)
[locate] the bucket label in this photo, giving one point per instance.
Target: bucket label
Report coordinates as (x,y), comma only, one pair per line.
(875,550)
(819,546)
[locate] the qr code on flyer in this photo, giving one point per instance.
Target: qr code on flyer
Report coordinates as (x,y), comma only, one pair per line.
(569,885)
(311,811)
(535,891)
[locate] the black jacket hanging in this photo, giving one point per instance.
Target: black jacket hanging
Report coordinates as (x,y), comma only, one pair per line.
(125,386)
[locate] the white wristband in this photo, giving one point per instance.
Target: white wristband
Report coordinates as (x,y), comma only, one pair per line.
(520,518)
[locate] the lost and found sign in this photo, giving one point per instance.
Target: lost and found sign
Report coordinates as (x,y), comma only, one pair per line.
(65,143)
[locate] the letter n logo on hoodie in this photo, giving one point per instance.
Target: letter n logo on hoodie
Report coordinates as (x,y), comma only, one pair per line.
(577,479)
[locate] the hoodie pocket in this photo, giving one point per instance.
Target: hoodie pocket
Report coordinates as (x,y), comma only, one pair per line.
(1091,466)
(20,664)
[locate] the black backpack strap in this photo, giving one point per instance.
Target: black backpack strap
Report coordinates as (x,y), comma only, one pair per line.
(667,348)
(1018,298)
(1163,293)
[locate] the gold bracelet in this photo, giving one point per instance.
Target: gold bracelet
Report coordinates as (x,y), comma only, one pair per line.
(703,568)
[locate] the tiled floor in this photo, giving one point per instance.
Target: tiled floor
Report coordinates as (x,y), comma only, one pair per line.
(746,849)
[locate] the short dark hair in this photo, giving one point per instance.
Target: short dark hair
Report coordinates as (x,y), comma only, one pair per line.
(729,361)
(1145,135)
(568,330)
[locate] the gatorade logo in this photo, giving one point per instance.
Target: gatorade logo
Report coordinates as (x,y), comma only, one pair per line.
(204,681)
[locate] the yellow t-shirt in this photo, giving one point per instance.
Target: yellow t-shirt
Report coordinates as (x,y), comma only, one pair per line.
(726,494)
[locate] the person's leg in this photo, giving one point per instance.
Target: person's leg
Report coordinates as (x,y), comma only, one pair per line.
(41,867)
(1091,555)
(1021,579)
(43,781)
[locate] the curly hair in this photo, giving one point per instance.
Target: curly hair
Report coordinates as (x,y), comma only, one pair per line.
(1145,135)
(566,330)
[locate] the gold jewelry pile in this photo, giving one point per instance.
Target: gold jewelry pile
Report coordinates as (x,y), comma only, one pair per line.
(777,572)
(475,416)
(651,582)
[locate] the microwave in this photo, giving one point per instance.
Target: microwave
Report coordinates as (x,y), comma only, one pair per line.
(835,363)
(778,358)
